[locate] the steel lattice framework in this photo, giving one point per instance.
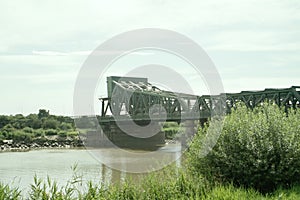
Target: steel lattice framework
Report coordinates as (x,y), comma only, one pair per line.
(138,99)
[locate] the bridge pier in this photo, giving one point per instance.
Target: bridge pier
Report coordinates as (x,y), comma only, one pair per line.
(112,135)
(190,129)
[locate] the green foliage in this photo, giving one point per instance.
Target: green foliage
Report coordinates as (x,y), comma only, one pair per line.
(50,124)
(28,130)
(49,190)
(170,125)
(259,149)
(39,132)
(4,120)
(50,132)
(62,134)
(18,121)
(169,183)
(21,136)
(73,134)
(65,126)
(43,114)
(8,128)
(29,127)
(171,129)
(170,132)
(2,137)
(9,193)
(33,121)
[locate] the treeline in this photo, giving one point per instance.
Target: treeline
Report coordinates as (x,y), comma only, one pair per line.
(25,128)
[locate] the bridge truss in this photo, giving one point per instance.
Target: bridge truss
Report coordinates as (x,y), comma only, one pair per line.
(138,99)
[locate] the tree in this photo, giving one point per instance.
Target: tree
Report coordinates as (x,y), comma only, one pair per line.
(43,114)
(33,121)
(18,121)
(4,120)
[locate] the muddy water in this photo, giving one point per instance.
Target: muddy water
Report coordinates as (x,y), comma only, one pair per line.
(18,168)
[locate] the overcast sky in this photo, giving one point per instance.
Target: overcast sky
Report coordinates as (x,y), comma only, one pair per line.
(254,44)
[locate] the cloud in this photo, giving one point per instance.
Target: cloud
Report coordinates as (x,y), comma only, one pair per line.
(43,43)
(84,25)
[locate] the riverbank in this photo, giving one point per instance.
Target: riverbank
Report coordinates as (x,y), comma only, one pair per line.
(48,142)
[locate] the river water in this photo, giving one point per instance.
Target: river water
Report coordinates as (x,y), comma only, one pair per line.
(19,168)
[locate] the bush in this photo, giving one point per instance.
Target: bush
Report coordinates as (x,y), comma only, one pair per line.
(28,130)
(2,137)
(62,134)
(73,134)
(50,132)
(259,149)
(21,136)
(170,124)
(39,132)
(8,128)
(171,129)
(50,124)
(65,126)
(35,123)
(170,132)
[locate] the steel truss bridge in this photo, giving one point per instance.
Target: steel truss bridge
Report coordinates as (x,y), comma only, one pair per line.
(137,99)
(132,99)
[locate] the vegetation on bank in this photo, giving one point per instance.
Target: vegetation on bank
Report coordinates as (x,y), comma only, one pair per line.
(171,130)
(35,127)
(166,184)
(257,148)
(256,157)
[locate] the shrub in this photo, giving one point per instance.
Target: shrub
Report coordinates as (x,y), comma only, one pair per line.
(170,124)
(39,132)
(259,149)
(62,134)
(73,134)
(21,136)
(28,130)
(35,124)
(2,137)
(50,132)
(65,126)
(171,129)
(8,128)
(171,132)
(50,124)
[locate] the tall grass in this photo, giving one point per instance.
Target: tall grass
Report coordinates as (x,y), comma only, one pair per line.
(9,193)
(152,187)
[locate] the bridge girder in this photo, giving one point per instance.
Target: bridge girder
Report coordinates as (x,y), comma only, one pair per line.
(136,98)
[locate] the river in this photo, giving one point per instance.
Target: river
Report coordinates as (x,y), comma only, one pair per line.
(19,168)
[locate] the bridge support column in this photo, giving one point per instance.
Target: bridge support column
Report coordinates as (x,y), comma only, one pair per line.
(190,129)
(123,140)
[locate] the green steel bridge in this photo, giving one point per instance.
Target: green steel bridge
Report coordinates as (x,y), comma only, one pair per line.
(132,99)
(136,97)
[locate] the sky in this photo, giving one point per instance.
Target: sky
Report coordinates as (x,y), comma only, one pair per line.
(254,44)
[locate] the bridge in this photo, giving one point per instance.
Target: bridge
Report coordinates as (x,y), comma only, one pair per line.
(133,99)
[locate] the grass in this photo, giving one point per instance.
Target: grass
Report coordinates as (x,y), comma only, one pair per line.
(169,183)
(9,193)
